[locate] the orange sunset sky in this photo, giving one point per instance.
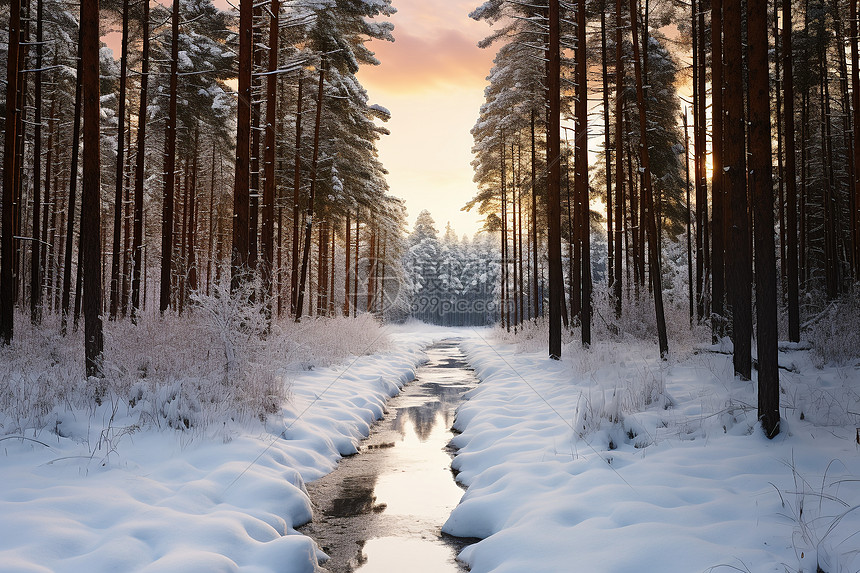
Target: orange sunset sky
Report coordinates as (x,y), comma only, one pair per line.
(432,79)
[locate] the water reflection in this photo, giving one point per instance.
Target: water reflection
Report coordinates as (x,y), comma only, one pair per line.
(382,510)
(388,554)
(356,497)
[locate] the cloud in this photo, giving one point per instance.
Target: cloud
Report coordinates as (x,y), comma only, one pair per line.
(414,63)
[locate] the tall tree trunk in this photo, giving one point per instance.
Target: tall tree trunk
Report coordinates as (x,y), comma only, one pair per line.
(355,266)
(761,187)
(70,207)
(267,239)
(36,257)
(522,308)
(689,221)
(505,310)
(170,165)
(346,251)
(735,184)
(553,154)
(254,199)
(137,242)
(619,147)
(647,196)
(90,189)
(536,292)
(698,156)
(581,169)
(717,193)
(20,203)
(607,154)
(294,276)
(120,169)
(241,191)
(703,167)
(49,212)
(10,161)
(855,105)
(309,217)
(191,256)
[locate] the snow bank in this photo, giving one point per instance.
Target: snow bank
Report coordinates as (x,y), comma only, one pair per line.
(611,461)
(102,493)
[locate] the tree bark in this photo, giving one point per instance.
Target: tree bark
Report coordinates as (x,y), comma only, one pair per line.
(137,241)
(619,148)
(294,276)
(855,104)
(36,246)
(347,252)
(309,217)
(581,169)
(735,184)
(90,189)
(553,154)
(70,207)
(761,187)
(120,169)
(241,183)
(647,196)
(10,161)
(170,166)
(717,194)
(267,238)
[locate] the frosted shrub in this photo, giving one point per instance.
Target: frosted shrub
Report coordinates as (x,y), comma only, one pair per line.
(835,333)
(216,363)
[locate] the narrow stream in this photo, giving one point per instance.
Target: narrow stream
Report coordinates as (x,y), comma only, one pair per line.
(382,509)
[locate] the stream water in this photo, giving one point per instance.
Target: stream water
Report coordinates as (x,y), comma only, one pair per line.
(382,509)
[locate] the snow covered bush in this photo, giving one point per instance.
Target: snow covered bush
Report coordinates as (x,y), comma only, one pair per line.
(835,333)
(219,362)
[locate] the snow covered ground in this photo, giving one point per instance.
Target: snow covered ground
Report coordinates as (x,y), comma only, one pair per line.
(113,497)
(605,461)
(611,461)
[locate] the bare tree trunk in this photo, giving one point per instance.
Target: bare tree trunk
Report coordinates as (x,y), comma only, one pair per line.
(698,156)
(70,207)
(505,310)
(855,104)
(735,184)
(191,256)
(36,246)
(717,192)
(267,239)
(607,155)
(331,270)
(90,189)
(346,251)
(120,170)
(137,242)
(535,290)
(355,267)
(294,277)
(10,161)
(311,195)
(647,197)
(619,147)
(170,166)
(553,154)
(515,283)
(689,221)
(581,169)
(761,185)
(241,183)
(254,199)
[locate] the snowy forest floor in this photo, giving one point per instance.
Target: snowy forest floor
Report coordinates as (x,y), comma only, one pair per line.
(608,460)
